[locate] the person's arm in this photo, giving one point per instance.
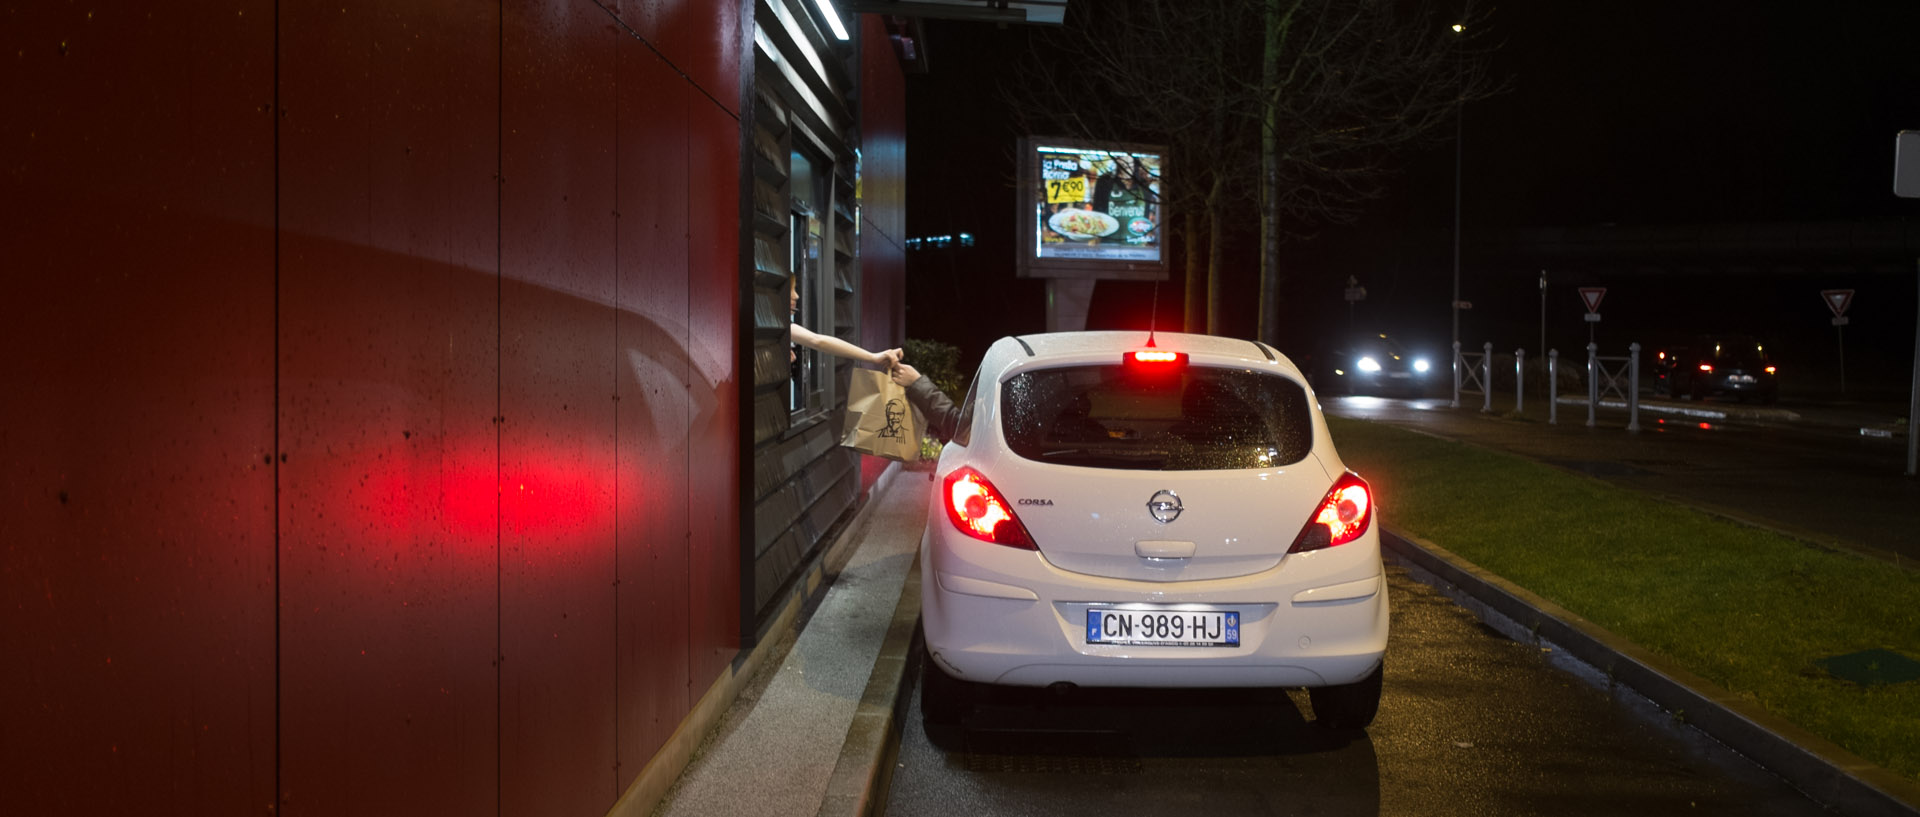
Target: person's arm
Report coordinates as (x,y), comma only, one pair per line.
(835,346)
(943,417)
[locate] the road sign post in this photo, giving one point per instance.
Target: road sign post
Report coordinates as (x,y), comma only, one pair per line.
(1543,315)
(1591,297)
(1837,302)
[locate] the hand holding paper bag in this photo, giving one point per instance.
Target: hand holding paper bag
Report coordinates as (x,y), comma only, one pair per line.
(879,420)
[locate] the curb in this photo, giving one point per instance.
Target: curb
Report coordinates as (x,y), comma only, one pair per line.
(864,772)
(662,774)
(1825,772)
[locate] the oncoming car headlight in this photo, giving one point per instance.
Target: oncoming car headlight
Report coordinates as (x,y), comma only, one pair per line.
(1421,365)
(1368,364)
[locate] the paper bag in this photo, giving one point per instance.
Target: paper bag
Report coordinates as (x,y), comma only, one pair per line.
(879,420)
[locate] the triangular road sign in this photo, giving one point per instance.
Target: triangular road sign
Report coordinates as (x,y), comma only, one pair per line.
(1837,300)
(1592,296)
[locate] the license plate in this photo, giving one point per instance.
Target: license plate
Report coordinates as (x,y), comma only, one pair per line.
(1741,378)
(1163,627)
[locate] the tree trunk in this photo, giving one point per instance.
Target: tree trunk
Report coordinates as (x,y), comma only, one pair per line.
(1216,294)
(1196,301)
(1267,328)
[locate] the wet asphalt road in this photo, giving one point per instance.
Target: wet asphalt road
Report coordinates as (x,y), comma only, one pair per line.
(1471,723)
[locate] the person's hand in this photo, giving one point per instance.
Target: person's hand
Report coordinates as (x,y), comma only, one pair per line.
(904,375)
(890,358)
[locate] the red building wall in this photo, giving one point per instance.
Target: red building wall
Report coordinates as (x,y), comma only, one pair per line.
(883,201)
(360,355)
(137,614)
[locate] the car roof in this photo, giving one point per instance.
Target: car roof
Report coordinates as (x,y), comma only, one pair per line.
(1106,346)
(1073,343)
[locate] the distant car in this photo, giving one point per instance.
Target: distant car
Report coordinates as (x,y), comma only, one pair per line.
(1124,510)
(1374,364)
(1716,365)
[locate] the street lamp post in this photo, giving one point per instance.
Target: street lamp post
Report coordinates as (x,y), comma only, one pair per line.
(1543,314)
(1459,131)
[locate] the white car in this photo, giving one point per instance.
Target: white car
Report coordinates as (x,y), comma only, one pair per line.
(1124,510)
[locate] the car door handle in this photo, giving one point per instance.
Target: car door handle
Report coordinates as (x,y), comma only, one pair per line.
(1162,549)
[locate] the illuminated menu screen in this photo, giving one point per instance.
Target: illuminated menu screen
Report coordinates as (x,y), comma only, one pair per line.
(1097,204)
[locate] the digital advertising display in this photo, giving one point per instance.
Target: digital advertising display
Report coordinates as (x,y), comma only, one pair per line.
(1091,210)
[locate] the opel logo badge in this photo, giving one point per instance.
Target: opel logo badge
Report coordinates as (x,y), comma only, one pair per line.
(1165,506)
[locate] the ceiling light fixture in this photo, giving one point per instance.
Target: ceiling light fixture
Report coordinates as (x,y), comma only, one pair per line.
(833,18)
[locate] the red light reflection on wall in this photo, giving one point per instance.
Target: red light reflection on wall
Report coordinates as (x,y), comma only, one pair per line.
(535,499)
(543,499)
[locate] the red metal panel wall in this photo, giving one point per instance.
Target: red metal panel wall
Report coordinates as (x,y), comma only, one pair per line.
(883,137)
(557,386)
(702,38)
(136,263)
(651,496)
(360,377)
(883,168)
(714,264)
(388,383)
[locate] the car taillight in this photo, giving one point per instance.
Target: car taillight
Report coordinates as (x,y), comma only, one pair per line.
(978,510)
(1706,367)
(1342,516)
(1770,370)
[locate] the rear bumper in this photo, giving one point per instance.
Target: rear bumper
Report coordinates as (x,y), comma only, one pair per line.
(998,615)
(1729,385)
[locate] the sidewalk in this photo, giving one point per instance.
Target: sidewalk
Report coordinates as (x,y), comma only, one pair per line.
(807,736)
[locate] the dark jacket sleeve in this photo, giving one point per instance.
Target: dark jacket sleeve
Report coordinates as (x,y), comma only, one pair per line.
(943,417)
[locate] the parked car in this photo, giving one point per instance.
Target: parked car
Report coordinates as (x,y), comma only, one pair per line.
(1119,509)
(1373,363)
(1716,365)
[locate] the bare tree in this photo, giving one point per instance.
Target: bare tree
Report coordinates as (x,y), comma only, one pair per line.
(1299,106)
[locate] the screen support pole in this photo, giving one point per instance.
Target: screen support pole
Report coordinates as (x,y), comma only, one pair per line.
(1067,300)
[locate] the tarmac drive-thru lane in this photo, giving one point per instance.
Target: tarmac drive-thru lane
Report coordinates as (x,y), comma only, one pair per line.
(1471,723)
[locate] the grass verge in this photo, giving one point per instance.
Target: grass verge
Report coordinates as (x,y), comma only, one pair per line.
(1748,609)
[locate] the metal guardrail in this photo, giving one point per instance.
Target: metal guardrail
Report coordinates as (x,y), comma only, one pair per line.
(1478,373)
(1606,376)
(1622,381)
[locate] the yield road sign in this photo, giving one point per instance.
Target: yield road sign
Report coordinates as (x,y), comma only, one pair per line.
(1837,300)
(1592,296)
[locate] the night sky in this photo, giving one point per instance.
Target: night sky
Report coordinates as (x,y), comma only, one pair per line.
(1623,113)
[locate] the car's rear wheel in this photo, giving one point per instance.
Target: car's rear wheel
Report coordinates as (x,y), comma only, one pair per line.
(1347,706)
(944,699)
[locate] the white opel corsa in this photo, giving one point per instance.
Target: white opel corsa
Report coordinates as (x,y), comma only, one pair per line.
(1119,509)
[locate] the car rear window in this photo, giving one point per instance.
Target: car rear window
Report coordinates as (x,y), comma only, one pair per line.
(1199,418)
(1738,352)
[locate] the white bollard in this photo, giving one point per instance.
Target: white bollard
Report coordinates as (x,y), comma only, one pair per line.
(1519,380)
(1553,387)
(1633,387)
(1593,381)
(1486,377)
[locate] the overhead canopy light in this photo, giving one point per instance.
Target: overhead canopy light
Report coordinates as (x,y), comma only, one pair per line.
(833,18)
(1039,12)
